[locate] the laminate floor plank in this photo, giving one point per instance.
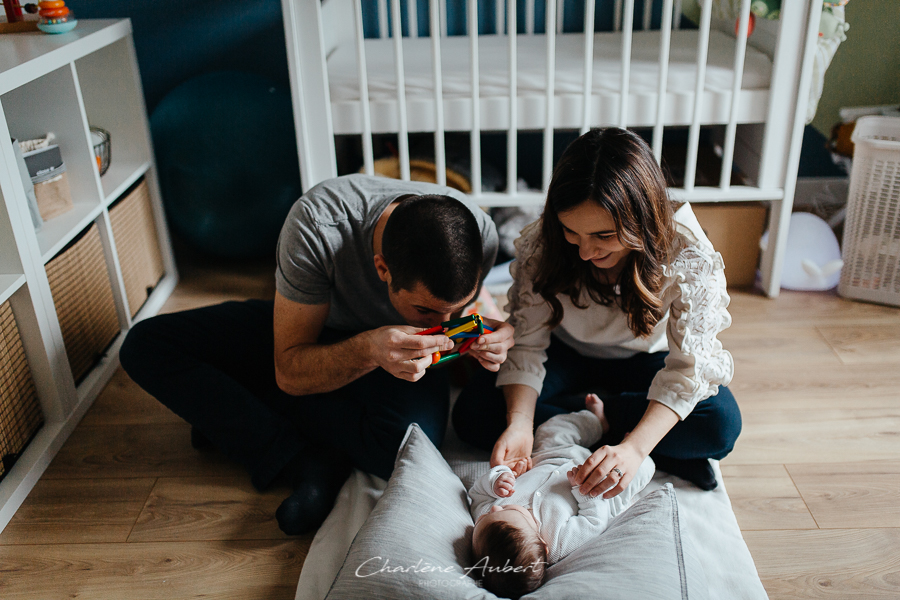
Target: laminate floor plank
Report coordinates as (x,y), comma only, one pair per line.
(806,308)
(824,436)
(154,450)
(60,511)
(828,564)
(757,344)
(865,344)
(855,495)
(51,492)
(71,523)
(224,570)
(123,402)
(785,386)
(765,497)
(208,508)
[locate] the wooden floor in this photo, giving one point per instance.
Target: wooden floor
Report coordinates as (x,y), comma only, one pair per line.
(129,510)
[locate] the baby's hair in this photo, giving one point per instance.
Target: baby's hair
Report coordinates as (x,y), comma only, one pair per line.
(505,544)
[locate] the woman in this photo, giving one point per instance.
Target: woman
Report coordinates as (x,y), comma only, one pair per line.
(614,293)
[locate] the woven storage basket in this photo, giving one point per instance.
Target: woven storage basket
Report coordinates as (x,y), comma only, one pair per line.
(82,293)
(20,413)
(871,250)
(137,244)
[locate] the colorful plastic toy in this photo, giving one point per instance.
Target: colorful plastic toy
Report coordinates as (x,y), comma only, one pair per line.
(465,330)
(55,17)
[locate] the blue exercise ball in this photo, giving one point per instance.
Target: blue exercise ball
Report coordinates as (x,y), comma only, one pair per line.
(227,162)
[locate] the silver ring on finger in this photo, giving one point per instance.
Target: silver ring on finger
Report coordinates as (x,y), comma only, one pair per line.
(618,472)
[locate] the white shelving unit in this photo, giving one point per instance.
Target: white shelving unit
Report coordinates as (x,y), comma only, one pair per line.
(64,84)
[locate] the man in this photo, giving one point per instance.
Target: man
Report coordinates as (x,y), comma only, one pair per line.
(364,263)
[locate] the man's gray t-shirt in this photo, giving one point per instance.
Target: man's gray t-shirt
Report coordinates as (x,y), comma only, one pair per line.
(325,248)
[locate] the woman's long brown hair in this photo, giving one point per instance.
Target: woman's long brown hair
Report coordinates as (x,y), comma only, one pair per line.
(615,169)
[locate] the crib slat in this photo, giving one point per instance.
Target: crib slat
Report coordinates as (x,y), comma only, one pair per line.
(443,24)
(617,16)
(498,16)
(440,159)
(368,159)
(561,13)
(627,31)
(382,19)
(551,80)
(589,7)
(694,135)
(731,128)
(475,133)
(529,16)
(772,260)
(512,145)
(648,13)
(402,135)
(310,97)
(413,16)
(665,43)
(676,24)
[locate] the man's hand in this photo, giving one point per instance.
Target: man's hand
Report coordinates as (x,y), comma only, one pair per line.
(403,354)
(513,448)
(505,486)
(490,349)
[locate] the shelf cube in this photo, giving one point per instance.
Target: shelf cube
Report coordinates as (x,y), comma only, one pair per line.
(20,412)
(137,244)
(82,293)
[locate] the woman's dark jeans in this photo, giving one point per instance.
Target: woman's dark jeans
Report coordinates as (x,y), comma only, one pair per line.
(710,431)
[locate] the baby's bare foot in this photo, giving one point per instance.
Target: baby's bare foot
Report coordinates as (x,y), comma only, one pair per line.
(593,403)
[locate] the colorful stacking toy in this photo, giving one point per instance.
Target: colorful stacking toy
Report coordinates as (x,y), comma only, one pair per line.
(465,328)
(55,17)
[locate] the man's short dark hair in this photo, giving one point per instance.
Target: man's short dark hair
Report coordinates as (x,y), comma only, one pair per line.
(435,240)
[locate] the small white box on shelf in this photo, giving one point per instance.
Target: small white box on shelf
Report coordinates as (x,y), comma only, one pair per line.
(51,184)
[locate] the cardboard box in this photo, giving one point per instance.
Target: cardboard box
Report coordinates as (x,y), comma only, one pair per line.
(734,228)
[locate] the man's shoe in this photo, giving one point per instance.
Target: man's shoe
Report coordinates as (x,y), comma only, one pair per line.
(316,475)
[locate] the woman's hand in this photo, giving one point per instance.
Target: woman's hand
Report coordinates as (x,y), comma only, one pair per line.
(607,471)
(490,349)
(513,448)
(598,474)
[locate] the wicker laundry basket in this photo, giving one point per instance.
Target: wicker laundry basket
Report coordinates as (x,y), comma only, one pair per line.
(137,244)
(871,249)
(20,413)
(82,293)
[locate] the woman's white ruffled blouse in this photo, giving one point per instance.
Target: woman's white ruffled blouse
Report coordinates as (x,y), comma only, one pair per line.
(693,295)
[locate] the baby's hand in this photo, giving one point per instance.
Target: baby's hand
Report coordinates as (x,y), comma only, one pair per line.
(572,474)
(505,485)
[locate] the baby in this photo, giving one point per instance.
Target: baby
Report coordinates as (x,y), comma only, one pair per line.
(523,525)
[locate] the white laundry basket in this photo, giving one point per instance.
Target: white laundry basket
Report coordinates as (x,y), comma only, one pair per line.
(871,249)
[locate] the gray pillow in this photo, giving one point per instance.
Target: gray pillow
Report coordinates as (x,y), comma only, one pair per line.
(417,544)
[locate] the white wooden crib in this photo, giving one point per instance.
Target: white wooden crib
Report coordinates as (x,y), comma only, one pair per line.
(745,91)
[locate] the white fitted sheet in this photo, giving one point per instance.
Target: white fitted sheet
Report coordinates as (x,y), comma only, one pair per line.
(532,75)
(493,65)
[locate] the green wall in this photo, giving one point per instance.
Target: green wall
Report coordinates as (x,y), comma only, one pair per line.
(866,68)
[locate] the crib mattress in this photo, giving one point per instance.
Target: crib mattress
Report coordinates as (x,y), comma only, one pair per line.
(532,82)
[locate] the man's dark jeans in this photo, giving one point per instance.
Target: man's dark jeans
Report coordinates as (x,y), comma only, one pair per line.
(214,367)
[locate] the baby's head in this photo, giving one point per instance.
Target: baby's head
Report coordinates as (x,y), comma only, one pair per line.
(509,550)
